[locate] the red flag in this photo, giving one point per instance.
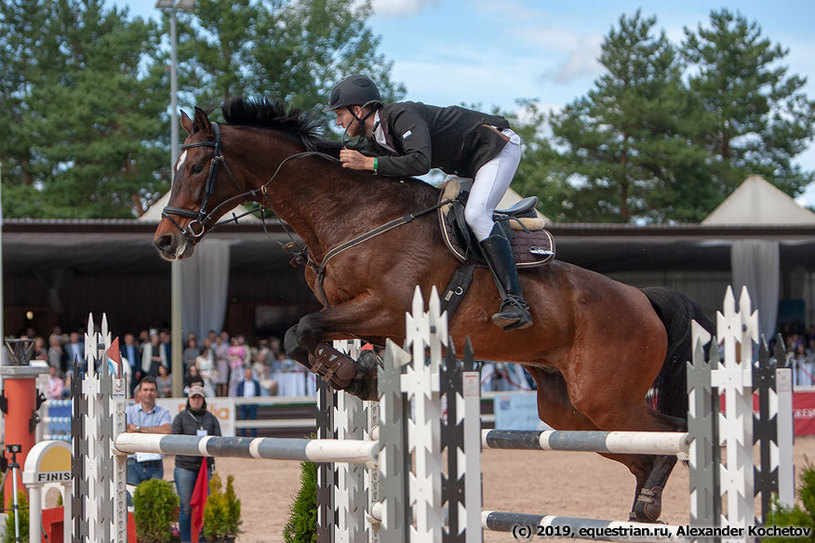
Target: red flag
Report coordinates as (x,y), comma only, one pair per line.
(116,356)
(197,501)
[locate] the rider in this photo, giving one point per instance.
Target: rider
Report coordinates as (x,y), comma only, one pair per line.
(409,138)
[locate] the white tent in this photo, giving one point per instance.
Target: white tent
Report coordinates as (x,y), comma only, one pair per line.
(755,263)
(758,202)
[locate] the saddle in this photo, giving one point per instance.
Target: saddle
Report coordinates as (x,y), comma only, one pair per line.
(531,244)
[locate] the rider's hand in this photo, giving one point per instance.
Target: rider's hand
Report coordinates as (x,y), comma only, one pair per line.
(356,160)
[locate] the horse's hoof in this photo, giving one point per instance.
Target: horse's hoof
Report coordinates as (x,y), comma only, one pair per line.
(364,384)
(649,505)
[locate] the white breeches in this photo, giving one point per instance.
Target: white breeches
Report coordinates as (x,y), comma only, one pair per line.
(489,185)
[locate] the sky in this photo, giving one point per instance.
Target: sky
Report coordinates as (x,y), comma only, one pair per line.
(495,52)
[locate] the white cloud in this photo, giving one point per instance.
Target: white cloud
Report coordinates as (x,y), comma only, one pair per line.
(580,62)
(401,8)
(534,28)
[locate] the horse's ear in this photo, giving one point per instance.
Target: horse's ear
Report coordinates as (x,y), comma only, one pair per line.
(186,122)
(201,121)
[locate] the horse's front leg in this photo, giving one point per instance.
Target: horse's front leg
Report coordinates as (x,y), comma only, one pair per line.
(361,316)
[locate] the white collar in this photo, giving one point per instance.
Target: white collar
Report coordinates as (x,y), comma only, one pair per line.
(379,133)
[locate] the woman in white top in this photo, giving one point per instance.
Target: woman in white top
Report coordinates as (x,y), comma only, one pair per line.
(206,367)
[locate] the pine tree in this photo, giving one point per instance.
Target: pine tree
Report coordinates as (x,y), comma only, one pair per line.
(628,141)
(757,116)
(294,50)
(88,110)
(541,172)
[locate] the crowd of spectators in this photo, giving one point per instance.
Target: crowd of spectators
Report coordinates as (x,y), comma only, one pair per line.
(800,347)
(219,360)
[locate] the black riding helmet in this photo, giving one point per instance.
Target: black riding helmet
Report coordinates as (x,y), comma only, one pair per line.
(354,90)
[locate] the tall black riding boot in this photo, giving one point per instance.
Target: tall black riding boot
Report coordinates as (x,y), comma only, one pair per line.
(514,313)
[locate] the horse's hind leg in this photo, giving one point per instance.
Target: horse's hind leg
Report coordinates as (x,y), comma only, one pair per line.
(556,410)
(648,502)
(648,499)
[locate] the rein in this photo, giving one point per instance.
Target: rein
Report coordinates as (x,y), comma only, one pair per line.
(202,220)
(319,270)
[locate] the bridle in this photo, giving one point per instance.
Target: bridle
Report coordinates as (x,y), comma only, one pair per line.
(201,219)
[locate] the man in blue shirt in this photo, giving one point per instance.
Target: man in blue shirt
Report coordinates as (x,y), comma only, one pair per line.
(148,418)
(248,388)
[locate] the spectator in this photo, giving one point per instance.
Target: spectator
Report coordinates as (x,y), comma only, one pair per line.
(74,352)
(166,350)
(191,352)
(803,369)
(164,382)
(275,347)
(40,350)
(195,420)
(66,389)
(206,368)
(810,350)
(221,349)
(55,353)
(261,366)
(55,384)
(147,418)
(237,358)
(153,356)
(248,388)
(131,352)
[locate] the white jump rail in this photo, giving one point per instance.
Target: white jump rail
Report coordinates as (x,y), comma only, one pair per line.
(304,450)
(590,441)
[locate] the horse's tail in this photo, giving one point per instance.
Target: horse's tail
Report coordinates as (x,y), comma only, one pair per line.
(676,310)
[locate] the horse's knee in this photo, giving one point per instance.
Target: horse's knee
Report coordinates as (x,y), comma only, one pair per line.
(303,335)
(291,343)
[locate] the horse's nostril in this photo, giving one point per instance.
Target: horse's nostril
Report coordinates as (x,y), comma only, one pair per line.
(164,242)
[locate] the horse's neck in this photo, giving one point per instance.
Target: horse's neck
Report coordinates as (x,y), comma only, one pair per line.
(325,204)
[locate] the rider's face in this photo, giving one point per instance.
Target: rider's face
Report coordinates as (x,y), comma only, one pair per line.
(345,119)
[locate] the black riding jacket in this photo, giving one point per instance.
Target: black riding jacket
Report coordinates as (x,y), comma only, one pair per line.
(454,139)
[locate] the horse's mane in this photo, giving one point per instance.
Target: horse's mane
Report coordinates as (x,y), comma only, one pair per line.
(268,113)
(274,114)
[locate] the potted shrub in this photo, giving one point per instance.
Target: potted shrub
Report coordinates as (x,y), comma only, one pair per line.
(22,503)
(222,512)
(155,506)
(302,524)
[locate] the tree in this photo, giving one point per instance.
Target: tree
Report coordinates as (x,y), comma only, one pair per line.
(541,172)
(85,88)
(81,102)
(627,143)
(757,118)
(294,50)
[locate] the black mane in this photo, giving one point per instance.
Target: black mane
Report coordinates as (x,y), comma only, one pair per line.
(267,113)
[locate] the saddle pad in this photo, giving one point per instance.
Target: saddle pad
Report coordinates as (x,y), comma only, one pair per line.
(530,248)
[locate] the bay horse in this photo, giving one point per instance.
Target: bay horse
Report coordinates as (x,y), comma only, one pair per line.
(595,350)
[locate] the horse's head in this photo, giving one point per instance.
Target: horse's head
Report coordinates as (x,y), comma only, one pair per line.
(199,191)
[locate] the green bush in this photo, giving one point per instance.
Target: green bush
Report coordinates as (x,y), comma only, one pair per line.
(222,511)
(22,504)
(155,506)
(781,515)
(302,524)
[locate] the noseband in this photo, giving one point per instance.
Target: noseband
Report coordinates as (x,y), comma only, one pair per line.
(201,219)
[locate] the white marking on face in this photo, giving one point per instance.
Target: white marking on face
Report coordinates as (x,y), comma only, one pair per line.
(181,160)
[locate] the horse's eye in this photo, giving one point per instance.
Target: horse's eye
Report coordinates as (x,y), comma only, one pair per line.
(197,168)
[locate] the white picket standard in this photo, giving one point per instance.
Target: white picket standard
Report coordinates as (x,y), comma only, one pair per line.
(394,448)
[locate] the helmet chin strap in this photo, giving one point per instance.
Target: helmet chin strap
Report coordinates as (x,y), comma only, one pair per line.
(361,121)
